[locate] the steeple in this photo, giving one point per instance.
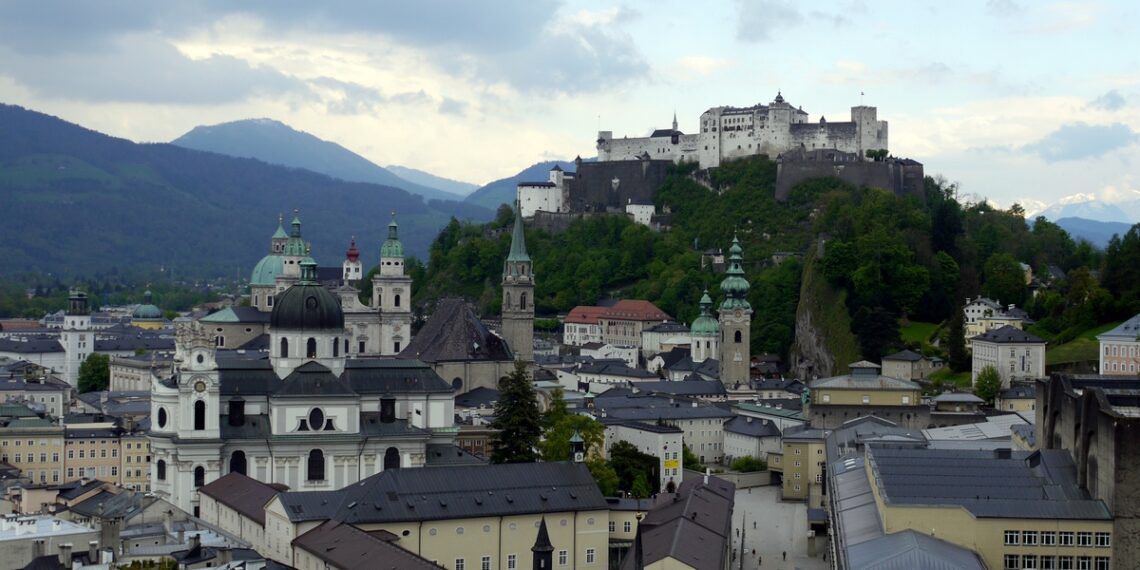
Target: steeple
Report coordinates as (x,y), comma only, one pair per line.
(735,321)
(352,269)
(352,254)
(674,120)
(392,247)
(518,238)
(277,242)
(734,286)
(518,295)
(543,550)
(308,271)
(295,246)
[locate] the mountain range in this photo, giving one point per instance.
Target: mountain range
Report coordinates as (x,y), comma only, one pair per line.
(432,181)
(277,143)
(81,202)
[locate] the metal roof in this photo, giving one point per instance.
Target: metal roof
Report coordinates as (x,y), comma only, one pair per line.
(907,550)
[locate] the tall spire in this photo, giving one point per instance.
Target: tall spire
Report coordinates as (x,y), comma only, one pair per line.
(543,549)
(674,119)
(734,286)
(518,238)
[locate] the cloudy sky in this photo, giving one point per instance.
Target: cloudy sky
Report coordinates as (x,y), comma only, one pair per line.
(1017,100)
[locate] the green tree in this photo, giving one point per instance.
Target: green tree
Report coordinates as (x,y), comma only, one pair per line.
(517,418)
(690,460)
(1004,279)
(555,445)
(748,464)
(988,384)
(640,488)
(604,475)
(556,411)
(956,342)
(629,462)
(95,373)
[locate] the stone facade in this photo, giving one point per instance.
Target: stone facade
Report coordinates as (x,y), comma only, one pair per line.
(518,295)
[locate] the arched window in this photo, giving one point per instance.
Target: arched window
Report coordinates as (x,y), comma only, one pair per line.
(199,476)
(316,465)
(336,347)
(397,300)
(160,468)
(522,301)
(311,348)
(508,303)
(284,348)
(199,415)
(391,458)
(162,417)
(737,336)
(237,462)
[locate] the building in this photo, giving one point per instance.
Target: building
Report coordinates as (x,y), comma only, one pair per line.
(146,315)
(460,348)
(689,530)
(661,441)
(735,321)
(304,415)
(545,196)
(27,538)
(866,392)
(983,314)
(518,295)
(1017,398)
(800,465)
(702,423)
(747,436)
(32,444)
(623,323)
(31,385)
(581,326)
(733,132)
(133,373)
(1017,355)
(910,365)
(602,351)
(664,336)
(705,333)
(1120,349)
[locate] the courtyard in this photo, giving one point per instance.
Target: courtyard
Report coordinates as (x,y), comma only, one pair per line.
(772,528)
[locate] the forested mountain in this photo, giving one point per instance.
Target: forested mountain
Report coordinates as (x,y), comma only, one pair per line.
(883,258)
(80,202)
(1095,232)
(503,191)
(277,143)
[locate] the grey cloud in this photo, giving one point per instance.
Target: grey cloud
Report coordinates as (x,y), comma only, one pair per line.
(1111,101)
(451,106)
(756,20)
(1080,140)
(147,70)
(356,99)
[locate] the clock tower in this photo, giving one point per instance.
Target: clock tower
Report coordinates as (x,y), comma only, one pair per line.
(518,295)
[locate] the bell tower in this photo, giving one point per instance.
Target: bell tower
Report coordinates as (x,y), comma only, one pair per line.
(77,338)
(735,321)
(518,295)
(392,296)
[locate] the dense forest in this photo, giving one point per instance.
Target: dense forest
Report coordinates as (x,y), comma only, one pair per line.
(898,258)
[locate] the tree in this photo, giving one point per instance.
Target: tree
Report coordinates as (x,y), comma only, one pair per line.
(640,487)
(628,462)
(690,460)
(956,342)
(748,464)
(604,475)
(1004,279)
(988,384)
(556,411)
(95,373)
(555,445)
(517,418)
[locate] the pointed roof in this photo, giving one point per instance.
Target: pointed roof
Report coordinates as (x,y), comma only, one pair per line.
(392,246)
(353,253)
(556,168)
(455,333)
(542,541)
(280,233)
(518,239)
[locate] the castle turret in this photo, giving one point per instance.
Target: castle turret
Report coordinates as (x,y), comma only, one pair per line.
(392,295)
(735,320)
(518,295)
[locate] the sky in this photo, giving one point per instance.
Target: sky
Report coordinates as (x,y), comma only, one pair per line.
(1015,100)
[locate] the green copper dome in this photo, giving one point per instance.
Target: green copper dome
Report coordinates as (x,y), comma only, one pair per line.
(392,246)
(295,247)
(734,286)
(267,270)
(147,311)
(705,325)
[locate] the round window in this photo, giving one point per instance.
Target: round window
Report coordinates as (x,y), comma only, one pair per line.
(201,359)
(162,417)
(459,530)
(486,528)
(316,419)
(432,531)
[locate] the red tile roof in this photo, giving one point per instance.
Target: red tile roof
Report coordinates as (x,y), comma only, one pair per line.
(636,310)
(585,314)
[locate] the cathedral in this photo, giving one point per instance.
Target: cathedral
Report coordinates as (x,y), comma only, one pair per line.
(328,403)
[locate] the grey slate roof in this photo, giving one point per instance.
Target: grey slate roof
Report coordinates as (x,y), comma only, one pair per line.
(652,408)
(958,397)
(478,397)
(787,384)
(1008,334)
(447,455)
(908,550)
(310,505)
(863,382)
(243,494)
(693,528)
(1128,330)
(668,327)
(31,345)
(345,546)
(756,427)
(608,367)
(1020,392)
(254,375)
(1018,484)
(690,387)
(455,333)
(315,380)
(905,355)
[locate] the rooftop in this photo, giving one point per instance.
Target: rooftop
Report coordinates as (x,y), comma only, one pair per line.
(1009,335)
(243,494)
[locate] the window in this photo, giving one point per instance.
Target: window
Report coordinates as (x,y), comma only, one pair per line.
(627,526)
(460,564)
(71,473)
(1064,563)
(1029,538)
(613,526)
(284,345)
(485,563)
(1101,563)
(562,557)
(1012,562)
(1084,563)
(1048,538)
(512,561)
(316,471)
(1029,561)
(311,348)
(1103,540)
(1065,538)
(1048,563)
(826,398)
(199,476)
(591,555)
(906,400)
(866,399)
(199,415)
(1084,539)
(736,337)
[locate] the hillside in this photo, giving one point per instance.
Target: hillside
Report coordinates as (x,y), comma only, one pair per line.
(1093,231)
(503,191)
(277,143)
(461,189)
(84,203)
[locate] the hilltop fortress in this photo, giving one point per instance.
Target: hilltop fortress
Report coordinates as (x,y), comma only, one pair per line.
(736,132)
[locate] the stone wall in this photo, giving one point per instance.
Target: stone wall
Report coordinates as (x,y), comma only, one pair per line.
(901,176)
(610,186)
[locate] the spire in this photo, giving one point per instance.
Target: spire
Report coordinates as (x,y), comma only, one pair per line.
(734,286)
(308,271)
(674,119)
(518,238)
(393,227)
(280,233)
(542,541)
(706,304)
(352,254)
(296,223)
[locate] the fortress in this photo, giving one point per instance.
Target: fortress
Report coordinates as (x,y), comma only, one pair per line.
(734,132)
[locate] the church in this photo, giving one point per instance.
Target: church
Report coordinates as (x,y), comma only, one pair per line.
(328,403)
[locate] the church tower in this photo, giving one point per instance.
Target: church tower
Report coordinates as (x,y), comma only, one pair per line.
(77,336)
(705,332)
(543,550)
(293,252)
(518,295)
(392,295)
(735,321)
(352,268)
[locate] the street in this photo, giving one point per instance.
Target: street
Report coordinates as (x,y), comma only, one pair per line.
(779,527)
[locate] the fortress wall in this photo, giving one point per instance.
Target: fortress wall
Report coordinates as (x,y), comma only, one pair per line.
(895,176)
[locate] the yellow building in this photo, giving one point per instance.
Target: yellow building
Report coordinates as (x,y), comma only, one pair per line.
(147,316)
(801,464)
(92,451)
(865,392)
(1017,398)
(35,446)
(135,467)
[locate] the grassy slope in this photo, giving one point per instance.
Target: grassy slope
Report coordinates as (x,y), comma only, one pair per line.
(1081,349)
(917,332)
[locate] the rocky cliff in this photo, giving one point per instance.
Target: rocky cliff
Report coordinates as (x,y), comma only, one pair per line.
(823,345)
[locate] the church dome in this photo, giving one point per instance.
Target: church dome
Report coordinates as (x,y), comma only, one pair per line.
(267,270)
(705,325)
(392,246)
(306,305)
(147,311)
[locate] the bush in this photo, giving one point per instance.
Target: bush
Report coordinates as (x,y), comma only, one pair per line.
(749,464)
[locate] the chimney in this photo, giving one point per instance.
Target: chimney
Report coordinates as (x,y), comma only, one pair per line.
(65,555)
(93,552)
(37,548)
(195,541)
(707,471)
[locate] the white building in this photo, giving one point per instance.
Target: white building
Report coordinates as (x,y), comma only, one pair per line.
(641,213)
(1016,354)
(582,326)
(983,314)
(734,132)
(748,436)
(661,441)
(548,196)
(1120,349)
(602,351)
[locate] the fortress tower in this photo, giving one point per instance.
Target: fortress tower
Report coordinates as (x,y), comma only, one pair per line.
(518,295)
(735,320)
